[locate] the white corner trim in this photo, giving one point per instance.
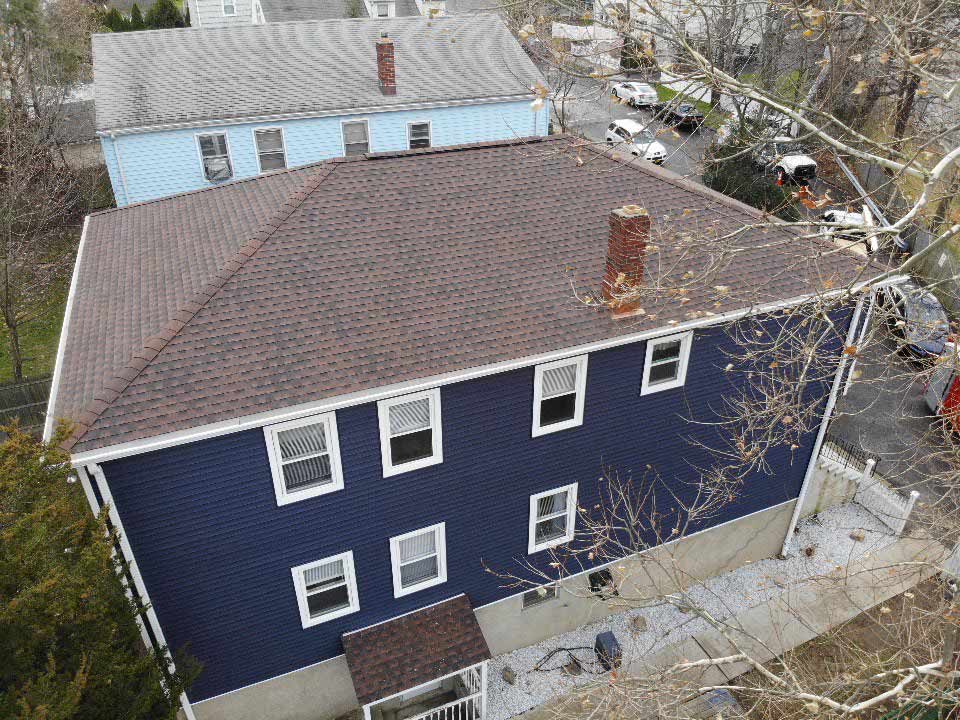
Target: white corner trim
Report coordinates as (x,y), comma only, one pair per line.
(258,420)
(350,579)
(571,519)
(62,344)
(436,433)
(127,552)
(686,341)
(271,435)
(580,390)
(440,547)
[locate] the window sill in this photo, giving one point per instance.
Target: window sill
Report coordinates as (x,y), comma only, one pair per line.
(391,470)
(400,592)
(311,622)
(285,498)
(556,427)
(532,549)
(660,387)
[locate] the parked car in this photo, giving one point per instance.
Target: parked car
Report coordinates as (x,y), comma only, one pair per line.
(916,318)
(853,227)
(787,158)
(682,115)
(942,393)
(636,139)
(636,94)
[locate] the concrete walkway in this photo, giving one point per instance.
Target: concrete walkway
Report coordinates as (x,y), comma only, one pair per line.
(799,613)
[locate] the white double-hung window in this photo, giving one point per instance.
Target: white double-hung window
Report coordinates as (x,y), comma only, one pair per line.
(215,156)
(410,432)
(558,393)
(304,457)
(326,589)
(229,7)
(356,137)
(271,153)
(553,515)
(666,363)
(419,559)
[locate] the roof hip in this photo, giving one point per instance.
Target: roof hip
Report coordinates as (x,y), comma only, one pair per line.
(114,387)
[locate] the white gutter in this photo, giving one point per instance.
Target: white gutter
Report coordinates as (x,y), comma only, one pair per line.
(369,110)
(127,552)
(62,344)
(828,411)
(257,420)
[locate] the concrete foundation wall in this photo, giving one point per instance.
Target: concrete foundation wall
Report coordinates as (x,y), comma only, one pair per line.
(325,691)
(688,561)
(830,486)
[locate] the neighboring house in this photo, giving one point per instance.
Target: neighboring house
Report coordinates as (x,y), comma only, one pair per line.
(320,402)
(224,13)
(179,110)
(77,137)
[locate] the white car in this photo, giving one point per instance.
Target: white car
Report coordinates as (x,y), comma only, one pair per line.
(636,94)
(633,137)
(788,158)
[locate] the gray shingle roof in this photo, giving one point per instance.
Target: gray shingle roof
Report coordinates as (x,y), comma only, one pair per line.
(189,75)
(376,270)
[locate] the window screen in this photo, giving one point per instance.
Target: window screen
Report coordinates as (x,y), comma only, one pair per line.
(558,394)
(270,150)
(355,138)
(419,561)
(326,588)
(664,362)
(304,457)
(551,522)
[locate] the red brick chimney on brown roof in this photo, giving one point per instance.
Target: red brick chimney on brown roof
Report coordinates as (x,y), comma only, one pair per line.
(386,69)
(626,250)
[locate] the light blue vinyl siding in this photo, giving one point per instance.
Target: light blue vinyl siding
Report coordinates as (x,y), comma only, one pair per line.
(158,164)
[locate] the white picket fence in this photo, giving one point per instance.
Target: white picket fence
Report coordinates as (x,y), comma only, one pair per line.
(891,507)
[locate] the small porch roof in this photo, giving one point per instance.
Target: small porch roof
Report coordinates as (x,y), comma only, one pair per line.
(414,649)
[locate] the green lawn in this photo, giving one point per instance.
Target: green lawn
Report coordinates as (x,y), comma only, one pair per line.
(713,117)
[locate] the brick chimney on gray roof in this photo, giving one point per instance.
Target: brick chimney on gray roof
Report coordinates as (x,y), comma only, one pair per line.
(386,69)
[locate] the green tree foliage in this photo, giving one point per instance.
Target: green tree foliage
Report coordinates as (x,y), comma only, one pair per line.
(164,14)
(114,21)
(731,171)
(136,18)
(69,640)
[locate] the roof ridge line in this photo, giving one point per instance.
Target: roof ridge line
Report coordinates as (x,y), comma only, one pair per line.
(113,387)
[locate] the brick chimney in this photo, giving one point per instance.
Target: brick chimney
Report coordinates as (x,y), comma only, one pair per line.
(386,70)
(626,250)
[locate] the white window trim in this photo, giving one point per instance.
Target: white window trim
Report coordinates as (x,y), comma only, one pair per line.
(571,491)
(223,8)
(383,410)
(440,535)
(577,420)
(301,589)
(686,340)
(343,136)
(428,123)
(271,434)
(283,146)
(226,141)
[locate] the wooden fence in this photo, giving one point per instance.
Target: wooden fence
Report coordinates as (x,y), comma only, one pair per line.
(25,401)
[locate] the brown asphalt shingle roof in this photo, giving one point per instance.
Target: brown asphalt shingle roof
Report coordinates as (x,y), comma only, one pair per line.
(374,271)
(414,649)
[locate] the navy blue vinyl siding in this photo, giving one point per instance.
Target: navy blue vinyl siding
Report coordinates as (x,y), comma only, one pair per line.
(215,550)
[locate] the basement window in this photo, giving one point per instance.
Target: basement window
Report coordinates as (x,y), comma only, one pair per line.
(558,393)
(419,559)
(215,157)
(666,363)
(304,458)
(539,595)
(552,518)
(410,432)
(326,589)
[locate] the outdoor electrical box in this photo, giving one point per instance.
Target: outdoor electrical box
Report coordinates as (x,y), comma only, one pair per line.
(608,651)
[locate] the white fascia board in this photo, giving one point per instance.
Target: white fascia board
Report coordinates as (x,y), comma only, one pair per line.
(62,344)
(258,420)
(339,112)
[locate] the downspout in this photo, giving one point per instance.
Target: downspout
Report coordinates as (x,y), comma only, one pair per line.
(832,401)
(126,552)
(827,413)
(123,178)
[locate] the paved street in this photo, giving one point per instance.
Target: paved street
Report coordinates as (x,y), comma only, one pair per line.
(590,109)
